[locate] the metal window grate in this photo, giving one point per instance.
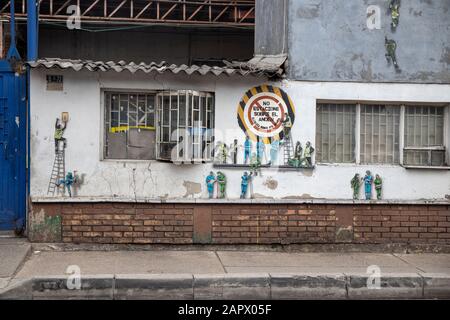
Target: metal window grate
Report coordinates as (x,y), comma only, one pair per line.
(129,126)
(185,126)
(335,139)
(424,136)
(380,134)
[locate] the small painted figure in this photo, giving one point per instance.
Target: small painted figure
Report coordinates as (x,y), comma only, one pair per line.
(260,150)
(309,151)
(274,149)
(234,151)
(247,149)
(60,127)
(68,182)
(210,182)
(223,153)
(391,47)
(222,181)
(368,180)
(298,151)
(378,182)
(287,126)
(394,6)
(255,164)
(356,183)
(245,180)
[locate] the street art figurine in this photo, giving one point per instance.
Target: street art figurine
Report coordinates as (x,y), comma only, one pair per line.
(394,6)
(274,149)
(247,149)
(222,152)
(260,150)
(378,182)
(356,183)
(222,182)
(68,182)
(309,150)
(298,151)
(287,126)
(210,182)
(391,47)
(368,180)
(234,151)
(60,127)
(245,180)
(255,164)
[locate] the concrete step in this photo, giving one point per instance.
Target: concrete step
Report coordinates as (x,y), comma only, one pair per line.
(263,286)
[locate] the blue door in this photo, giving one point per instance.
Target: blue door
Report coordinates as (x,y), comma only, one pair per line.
(13,150)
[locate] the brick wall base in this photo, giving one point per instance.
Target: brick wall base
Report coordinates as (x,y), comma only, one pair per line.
(131,223)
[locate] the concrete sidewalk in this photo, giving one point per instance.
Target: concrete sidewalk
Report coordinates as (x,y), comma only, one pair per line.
(220,274)
(13,252)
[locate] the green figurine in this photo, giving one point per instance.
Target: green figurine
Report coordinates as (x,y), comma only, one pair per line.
(356,184)
(378,186)
(223,152)
(222,181)
(394,6)
(255,164)
(391,47)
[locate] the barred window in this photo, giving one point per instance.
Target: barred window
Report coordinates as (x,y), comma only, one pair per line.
(335,133)
(164,125)
(424,136)
(185,125)
(409,135)
(129,126)
(380,138)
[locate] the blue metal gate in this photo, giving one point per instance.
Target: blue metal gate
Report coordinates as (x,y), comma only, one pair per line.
(13,148)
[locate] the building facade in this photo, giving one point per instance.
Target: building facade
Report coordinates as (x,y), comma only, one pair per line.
(367,85)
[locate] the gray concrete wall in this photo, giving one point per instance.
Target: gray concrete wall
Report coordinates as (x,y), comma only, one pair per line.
(178,46)
(271,27)
(329,41)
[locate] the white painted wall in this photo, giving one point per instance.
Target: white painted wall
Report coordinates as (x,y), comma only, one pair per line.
(154,180)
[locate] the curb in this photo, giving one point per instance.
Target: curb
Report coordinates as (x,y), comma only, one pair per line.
(232,287)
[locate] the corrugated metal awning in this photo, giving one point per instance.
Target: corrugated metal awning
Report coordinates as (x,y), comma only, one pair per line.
(230,68)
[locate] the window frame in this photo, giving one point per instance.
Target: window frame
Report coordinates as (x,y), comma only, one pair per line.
(155,92)
(402,106)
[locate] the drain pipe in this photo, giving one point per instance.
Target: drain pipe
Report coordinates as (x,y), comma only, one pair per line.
(32,30)
(13,54)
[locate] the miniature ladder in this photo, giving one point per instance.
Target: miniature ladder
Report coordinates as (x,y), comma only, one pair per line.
(58,172)
(288,149)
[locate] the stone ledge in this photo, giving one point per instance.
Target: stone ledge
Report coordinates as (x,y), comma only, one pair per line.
(238,201)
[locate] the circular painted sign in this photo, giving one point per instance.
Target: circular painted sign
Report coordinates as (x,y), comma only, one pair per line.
(266,112)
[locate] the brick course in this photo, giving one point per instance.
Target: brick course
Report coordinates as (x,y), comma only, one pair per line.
(128,223)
